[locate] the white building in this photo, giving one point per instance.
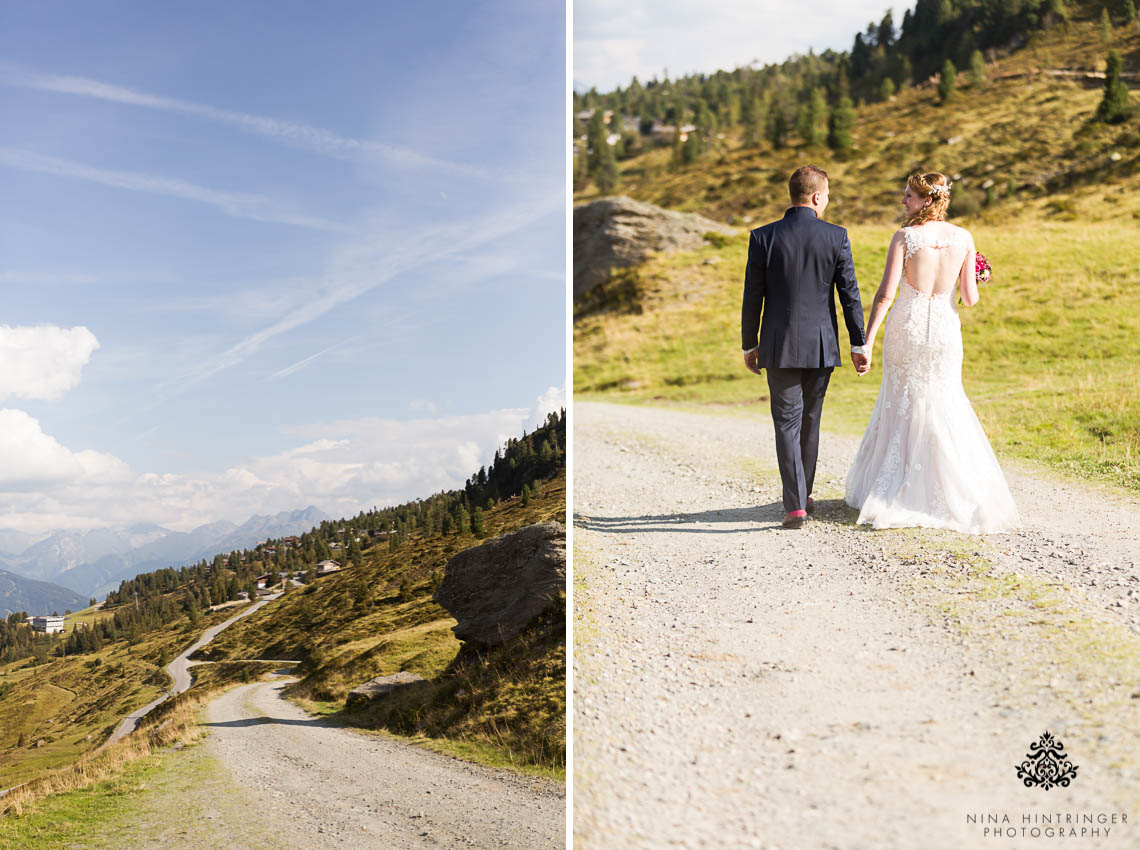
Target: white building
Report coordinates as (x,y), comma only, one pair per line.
(50,625)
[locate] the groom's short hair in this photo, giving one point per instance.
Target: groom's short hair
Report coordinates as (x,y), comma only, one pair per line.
(805,182)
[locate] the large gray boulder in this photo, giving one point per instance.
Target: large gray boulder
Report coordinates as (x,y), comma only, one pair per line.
(380,687)
(496,589)
(618,232)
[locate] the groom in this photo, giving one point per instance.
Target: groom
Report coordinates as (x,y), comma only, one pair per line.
(794,265)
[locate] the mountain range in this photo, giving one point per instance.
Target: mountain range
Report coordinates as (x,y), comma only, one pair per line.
(36,597)
(95,561)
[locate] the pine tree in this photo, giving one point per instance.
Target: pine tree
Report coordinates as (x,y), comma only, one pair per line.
(887,88)
(1114,107)
(596,139)
(1129,10)
(581,168)
(886,33)
(906,73)
(777,127)
(946,81)
(754,115)
(813,119)
(691,150)
(1105,25)
(603,164)
(977,69)
(842,122)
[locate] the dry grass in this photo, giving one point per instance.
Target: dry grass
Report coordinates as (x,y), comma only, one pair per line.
(504,706)
(424,649)
(178,726)
(173,723)
(1028,132)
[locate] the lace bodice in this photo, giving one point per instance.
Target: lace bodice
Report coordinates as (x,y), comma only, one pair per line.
(922,243)
(921,237)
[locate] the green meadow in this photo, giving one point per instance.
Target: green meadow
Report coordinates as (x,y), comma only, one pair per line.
(1051,195)
(1052,351)
(53,713)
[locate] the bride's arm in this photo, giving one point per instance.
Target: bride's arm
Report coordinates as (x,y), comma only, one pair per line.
(888,287)
(967,282)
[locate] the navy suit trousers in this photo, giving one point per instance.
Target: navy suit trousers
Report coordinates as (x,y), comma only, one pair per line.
(797,401)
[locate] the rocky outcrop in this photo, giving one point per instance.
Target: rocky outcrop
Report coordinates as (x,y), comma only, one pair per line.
(381,686)
(496,589)
(618,232)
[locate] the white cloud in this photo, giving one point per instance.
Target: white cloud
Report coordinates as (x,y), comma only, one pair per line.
(421,405)
(42,362)
(236,204)
(32,460)
(294,134)
(341,467)
(616,39)
(551,401)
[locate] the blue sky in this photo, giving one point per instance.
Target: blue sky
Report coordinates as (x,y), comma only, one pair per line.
(616,39)
(259,256)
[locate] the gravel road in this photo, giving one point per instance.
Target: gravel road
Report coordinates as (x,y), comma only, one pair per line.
(179,670)
(742,685)
(326,787)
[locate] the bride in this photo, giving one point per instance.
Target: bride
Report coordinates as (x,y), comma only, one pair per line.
(924,459)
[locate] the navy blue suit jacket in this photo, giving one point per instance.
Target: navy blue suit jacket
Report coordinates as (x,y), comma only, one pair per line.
(795,267)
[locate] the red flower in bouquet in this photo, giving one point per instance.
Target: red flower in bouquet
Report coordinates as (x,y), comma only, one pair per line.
(981,269)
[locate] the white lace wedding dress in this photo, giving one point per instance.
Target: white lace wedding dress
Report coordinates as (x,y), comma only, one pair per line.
(924,459)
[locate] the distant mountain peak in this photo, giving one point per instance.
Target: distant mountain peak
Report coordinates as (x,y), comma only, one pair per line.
(96,560)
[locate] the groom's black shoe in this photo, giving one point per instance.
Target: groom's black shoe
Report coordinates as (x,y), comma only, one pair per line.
(795,519)
(810,506)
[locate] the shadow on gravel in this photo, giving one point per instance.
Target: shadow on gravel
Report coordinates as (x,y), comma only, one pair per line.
(766,518)
(262,721)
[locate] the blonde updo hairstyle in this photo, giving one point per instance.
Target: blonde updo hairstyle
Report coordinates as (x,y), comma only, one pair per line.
(923,186)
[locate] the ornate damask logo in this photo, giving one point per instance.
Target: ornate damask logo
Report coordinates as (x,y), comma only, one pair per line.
(1046,764)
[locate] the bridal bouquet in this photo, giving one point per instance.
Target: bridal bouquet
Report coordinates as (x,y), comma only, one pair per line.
(981,269)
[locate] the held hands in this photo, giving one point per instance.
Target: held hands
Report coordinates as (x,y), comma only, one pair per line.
(862,363)
(751,358)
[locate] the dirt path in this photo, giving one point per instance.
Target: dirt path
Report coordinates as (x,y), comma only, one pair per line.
(325,787)
(179,670)
(739,685)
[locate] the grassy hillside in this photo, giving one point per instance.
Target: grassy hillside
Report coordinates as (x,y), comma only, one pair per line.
(1024,129)
(53,713)
(377,619)
(1051,349)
